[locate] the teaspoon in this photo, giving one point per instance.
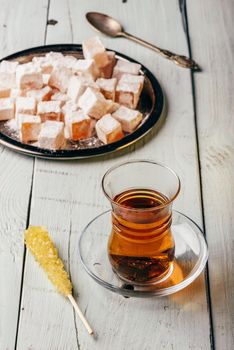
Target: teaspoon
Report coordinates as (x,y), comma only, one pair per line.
(110,27)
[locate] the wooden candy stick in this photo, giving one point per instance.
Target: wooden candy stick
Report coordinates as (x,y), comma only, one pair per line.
(80,314)
(41,246)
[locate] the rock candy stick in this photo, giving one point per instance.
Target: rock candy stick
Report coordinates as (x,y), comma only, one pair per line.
(42,248)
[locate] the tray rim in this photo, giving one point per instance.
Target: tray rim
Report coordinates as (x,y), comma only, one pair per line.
(153,118)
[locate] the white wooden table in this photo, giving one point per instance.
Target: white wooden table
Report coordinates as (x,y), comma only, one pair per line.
(197,140)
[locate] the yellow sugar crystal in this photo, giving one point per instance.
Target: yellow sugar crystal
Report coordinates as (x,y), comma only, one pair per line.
(41,246)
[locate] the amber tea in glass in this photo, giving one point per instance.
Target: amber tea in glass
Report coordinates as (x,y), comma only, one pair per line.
(141,246)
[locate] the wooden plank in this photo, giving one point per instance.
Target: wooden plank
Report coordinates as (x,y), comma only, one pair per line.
(22,25)
(61,32)
(68,194)
(212,45)
(15,183)
(20,28)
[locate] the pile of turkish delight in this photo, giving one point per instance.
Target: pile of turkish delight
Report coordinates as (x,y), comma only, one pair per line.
(56,97)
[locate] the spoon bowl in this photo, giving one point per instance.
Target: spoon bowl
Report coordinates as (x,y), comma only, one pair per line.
(105,24)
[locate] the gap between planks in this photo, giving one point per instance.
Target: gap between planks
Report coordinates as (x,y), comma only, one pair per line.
(24,255)
(183,10)
(47,18)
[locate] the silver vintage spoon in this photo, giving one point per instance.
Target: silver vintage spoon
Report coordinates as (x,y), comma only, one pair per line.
(109,26)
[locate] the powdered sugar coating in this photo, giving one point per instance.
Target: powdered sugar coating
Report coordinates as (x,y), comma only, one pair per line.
(107,106)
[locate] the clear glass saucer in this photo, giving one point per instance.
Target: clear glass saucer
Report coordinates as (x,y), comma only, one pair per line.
(191,255)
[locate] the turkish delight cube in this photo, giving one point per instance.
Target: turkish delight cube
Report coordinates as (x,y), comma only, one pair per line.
(86,67)
(94,49)
(78,124)
(128,118)
(29,127)
(132,79)
(7,82)
(44,63)
(93,103)
(8,66)
(60,78)
(128,94)
(76,88)
(29,76)
(125,67)
(107,87)
(107,70)
(49,110)
(52,135)
(108,129)
(7,108)
(25,105)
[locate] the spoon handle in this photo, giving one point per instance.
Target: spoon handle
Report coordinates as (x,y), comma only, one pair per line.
(182,61)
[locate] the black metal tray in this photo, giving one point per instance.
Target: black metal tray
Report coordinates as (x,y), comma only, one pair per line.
(151,105)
